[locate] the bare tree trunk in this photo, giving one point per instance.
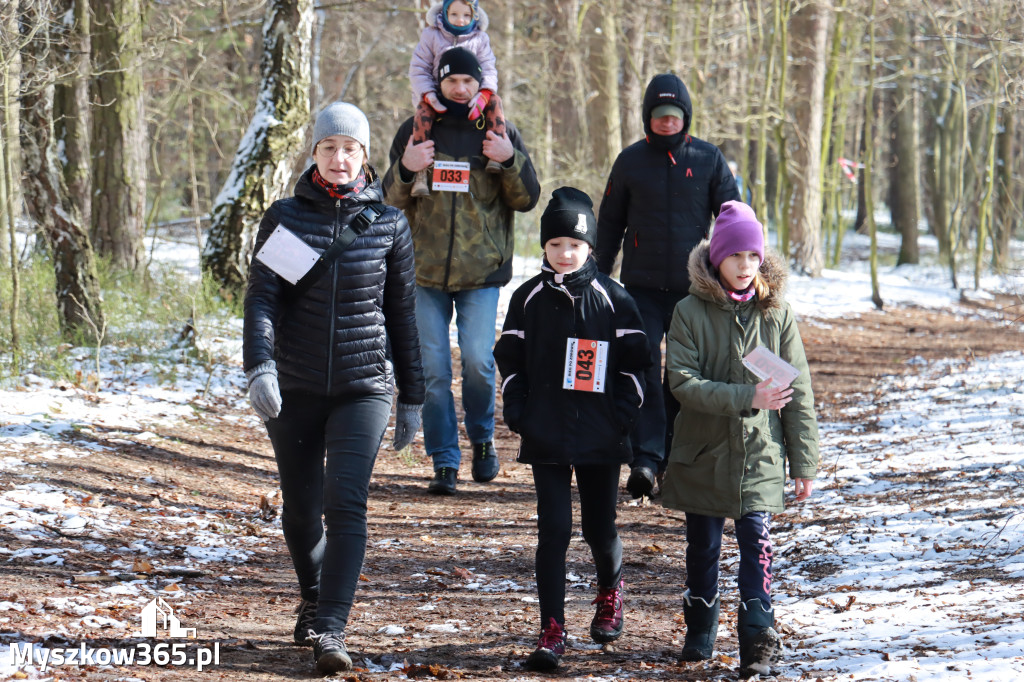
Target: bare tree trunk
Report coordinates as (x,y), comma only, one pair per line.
(985,207)
(905,171)
(71,104)
(940,166)
(779,199)
(810,27)
(869,159)
(608,141)
(836,107)
(77,289)
(1008,211)
(633,77)
(10,63)
(261,168)
(119,132)
(10,84)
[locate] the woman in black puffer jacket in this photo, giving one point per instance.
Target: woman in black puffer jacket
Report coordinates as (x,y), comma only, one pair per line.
(322,359)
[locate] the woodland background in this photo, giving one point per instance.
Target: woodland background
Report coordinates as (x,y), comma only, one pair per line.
(124,117)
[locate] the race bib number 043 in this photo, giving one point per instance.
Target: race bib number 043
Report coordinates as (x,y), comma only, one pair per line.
(585,365)
(450,176)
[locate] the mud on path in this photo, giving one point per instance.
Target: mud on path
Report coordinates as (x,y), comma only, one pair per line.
(447,588)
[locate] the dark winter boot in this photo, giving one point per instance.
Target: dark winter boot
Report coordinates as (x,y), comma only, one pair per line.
(760,644)
(701,627)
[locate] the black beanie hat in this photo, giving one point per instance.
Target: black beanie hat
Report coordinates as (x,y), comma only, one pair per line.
(570,213)
(459,60)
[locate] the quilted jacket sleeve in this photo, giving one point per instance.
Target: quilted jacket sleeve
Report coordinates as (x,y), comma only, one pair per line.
(263,301)
(400,314)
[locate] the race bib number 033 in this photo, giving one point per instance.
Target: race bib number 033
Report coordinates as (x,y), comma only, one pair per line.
(450,176)
(585,365)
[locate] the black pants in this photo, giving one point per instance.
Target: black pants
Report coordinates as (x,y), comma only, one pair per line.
(704,547)
(345,434)
(651,438)
(598,487)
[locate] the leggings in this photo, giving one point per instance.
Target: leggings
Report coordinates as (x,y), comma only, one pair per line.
(423,120)
(325,450)
(704,547)
(598,486)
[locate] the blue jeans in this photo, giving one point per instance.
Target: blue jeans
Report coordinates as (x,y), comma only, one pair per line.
(476,314)
(325,450)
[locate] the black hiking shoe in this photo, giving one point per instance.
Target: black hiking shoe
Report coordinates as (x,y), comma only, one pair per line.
(329,652)
(304,622)
(485,462)
(444,481)
(640,482)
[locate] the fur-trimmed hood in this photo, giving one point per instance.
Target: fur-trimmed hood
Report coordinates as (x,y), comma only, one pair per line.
(434,14)
(704,280)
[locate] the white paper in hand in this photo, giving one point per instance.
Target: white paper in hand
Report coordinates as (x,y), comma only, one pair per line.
(287,255)
(767,365)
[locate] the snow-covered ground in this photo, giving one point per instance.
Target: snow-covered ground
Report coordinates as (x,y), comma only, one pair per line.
(878,588)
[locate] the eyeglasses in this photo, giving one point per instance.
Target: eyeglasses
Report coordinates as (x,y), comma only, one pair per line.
(327,150)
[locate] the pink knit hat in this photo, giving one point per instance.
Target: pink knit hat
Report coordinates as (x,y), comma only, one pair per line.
(736,229)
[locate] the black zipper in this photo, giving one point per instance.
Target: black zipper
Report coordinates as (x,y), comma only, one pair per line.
(334,298)
(451,243)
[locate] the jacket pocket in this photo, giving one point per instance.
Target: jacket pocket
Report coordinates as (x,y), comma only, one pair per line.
(688,452)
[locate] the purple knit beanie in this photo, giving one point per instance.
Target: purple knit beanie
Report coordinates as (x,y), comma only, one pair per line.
(736,229)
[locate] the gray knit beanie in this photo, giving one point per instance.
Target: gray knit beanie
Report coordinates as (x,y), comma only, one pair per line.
(342,118)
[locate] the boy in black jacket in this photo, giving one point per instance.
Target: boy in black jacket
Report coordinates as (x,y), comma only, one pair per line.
(572,355)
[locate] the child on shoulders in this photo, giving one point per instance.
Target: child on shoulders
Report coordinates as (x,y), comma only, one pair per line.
(453,23)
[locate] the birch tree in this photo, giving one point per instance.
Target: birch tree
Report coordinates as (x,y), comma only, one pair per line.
(77,289)
(276,132)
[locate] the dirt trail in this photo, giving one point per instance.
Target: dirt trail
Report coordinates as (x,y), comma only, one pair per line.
(455,575)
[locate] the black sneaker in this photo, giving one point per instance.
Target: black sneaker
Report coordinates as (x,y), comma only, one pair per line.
(550,648)
(640,482)
(304,622)
(329,652)
(444,481)
(485,462)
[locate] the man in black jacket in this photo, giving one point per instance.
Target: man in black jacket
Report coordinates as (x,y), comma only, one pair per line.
(661,197)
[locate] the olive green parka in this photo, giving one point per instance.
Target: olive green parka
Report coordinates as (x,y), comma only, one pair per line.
(727,458)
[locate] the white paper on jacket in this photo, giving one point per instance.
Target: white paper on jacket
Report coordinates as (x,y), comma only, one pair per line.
(287,255)
(767,365)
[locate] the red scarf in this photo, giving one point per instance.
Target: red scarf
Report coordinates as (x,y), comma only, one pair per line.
(340,191)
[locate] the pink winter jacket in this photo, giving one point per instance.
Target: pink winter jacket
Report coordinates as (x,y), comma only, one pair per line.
(435,39)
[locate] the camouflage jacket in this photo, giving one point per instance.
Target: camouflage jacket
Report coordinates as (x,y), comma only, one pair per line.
(463,240)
